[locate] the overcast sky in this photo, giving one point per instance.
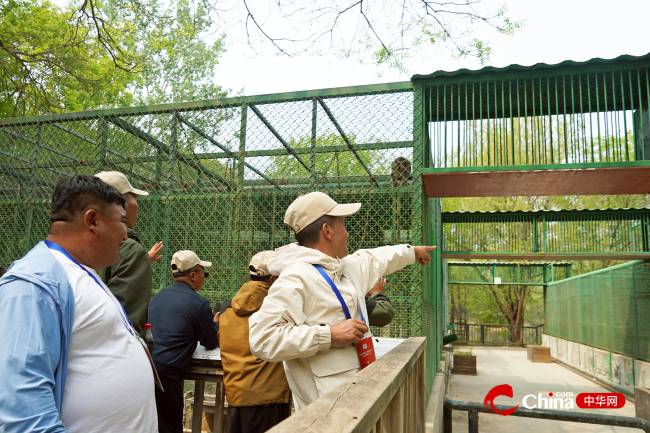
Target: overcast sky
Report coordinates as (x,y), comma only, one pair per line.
(555,30)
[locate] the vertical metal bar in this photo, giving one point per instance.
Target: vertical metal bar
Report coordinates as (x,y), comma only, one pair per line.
(591,132)
(543,125)
(598,116)
(467,152)
(103,138)
(167,203)
(645,240)
(32,190)
(440,164)
(519,121)
(444,103)
(605,117)
(629,76)
(544,234)
(497,146)
(242,147)
(582,121)
(615,123)
(647,89)
(480,104)
(472,421)
(312,168)
(459,117)
(526,118)
(557,120)
(474,143)
(575,147)
(627,147)
(641,140)
(512,125)
(550,120)
(488,122)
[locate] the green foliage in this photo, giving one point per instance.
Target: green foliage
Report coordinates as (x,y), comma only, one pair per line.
(50,61)
(180,64)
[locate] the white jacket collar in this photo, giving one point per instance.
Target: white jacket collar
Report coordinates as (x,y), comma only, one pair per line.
(294,253)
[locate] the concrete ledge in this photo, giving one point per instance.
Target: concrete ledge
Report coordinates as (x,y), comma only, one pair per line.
(433,415)
(618,371)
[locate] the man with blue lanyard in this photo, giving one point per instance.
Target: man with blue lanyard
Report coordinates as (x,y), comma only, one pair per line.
(70,359)
(316,309)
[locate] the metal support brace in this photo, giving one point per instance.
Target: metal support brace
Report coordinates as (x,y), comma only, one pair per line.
(278,136)
(148,138)
(225,149)
(32,185)
(103,138)
(242,147)
(347,140)
(312,147)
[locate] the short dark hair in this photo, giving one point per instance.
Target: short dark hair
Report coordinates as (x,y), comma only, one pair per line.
(310,235)
(186,272)
(78,193)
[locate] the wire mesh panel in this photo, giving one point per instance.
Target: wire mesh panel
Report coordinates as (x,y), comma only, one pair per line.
(519,273)
(221,174)
(608,309)
(584,231)
(541,116)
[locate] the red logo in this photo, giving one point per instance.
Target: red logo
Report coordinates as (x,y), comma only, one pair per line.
(497,391)
(600,400)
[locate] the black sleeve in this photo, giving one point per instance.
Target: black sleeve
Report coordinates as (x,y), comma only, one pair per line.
(222,310)
(206,327)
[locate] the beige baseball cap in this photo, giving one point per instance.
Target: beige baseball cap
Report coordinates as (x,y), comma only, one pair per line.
(309,207)
(118,181)
(259,262)
(186,259)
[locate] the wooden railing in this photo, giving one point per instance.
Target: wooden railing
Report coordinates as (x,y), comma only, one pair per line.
(386,397)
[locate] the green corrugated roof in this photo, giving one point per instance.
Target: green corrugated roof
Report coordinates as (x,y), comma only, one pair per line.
(536,67)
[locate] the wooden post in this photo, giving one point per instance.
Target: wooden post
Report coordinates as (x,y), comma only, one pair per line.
(197,416)
(218,408)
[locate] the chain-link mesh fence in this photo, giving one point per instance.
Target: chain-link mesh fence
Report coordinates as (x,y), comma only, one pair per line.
(608,309)
(222,173)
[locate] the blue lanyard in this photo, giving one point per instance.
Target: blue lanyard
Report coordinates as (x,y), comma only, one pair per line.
(125,318)
(338,294)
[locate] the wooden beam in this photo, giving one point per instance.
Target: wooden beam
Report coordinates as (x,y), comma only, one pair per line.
(377,394)
(591,181)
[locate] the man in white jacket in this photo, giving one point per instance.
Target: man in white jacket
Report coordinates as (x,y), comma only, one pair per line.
(301,321)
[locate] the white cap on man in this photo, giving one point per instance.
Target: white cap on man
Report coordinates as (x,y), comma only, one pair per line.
(309,207)
(259,263)
(186,259)
(118,181)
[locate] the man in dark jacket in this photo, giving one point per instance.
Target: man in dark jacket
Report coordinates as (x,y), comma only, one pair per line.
(130,278)
(179,319)
(257,391)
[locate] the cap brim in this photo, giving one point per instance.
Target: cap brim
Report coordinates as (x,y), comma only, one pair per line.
(344,210)
(205,264)
(138,192)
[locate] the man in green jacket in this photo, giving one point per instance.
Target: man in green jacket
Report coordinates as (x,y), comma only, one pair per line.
(380,309)
(130,278)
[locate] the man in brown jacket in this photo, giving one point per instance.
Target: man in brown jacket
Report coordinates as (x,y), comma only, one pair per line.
(257,391)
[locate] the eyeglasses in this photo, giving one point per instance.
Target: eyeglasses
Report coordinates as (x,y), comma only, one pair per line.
(205,274)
